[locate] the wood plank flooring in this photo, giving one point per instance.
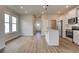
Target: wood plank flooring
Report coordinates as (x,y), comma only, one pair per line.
(32,45)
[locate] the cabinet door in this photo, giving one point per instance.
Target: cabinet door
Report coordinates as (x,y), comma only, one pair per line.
(52,24)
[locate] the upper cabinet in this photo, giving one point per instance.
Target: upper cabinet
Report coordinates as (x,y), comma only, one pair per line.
(71,13)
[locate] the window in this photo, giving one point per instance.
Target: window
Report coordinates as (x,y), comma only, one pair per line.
(10,23)
(13,24)
(6,23)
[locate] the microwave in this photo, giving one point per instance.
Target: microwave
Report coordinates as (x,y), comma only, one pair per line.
(73,20)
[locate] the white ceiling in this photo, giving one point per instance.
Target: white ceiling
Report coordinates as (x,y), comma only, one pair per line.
(37,9)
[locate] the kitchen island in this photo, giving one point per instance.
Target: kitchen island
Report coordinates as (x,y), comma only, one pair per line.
(76,36)
(52,37)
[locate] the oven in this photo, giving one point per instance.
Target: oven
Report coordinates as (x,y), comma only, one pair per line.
(69,33)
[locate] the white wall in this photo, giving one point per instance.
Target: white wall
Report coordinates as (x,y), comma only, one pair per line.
(12,35)
(5,37)
(44,24)
(46,18)
(2,42)
(26,22)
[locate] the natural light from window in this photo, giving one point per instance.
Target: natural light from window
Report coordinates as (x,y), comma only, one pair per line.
(6,23)
(13,24)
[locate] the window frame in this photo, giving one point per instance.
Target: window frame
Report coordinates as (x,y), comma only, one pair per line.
(13,23)
(10,22)
(6,23)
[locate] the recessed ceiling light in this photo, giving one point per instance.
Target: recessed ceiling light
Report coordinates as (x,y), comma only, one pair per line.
(38,24)
(67,6)
(21,7)
(44,7)
(43,12)
(26,12)
(59,12)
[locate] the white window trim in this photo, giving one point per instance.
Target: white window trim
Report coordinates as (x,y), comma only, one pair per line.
(14,23)
(10,24)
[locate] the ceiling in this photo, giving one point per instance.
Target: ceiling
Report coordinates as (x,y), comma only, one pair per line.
(37,9)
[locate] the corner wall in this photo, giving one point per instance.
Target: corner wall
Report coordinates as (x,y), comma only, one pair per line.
(5,37)
(26,22)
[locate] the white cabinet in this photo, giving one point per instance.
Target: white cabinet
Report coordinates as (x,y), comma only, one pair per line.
(52,37)
(76,37)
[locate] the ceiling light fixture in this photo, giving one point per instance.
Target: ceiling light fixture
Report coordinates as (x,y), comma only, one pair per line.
(26,12)
(38,24)
(67,6)
(21,7)
(42,12)
(44,7)
(59,12)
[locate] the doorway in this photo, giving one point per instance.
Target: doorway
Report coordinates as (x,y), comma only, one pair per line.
(37,26)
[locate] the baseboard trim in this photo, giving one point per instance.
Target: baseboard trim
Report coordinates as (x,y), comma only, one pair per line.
(69,39)
(1,49)
(13,39)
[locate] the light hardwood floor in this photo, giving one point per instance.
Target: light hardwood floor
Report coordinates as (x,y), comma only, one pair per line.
(31,45)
